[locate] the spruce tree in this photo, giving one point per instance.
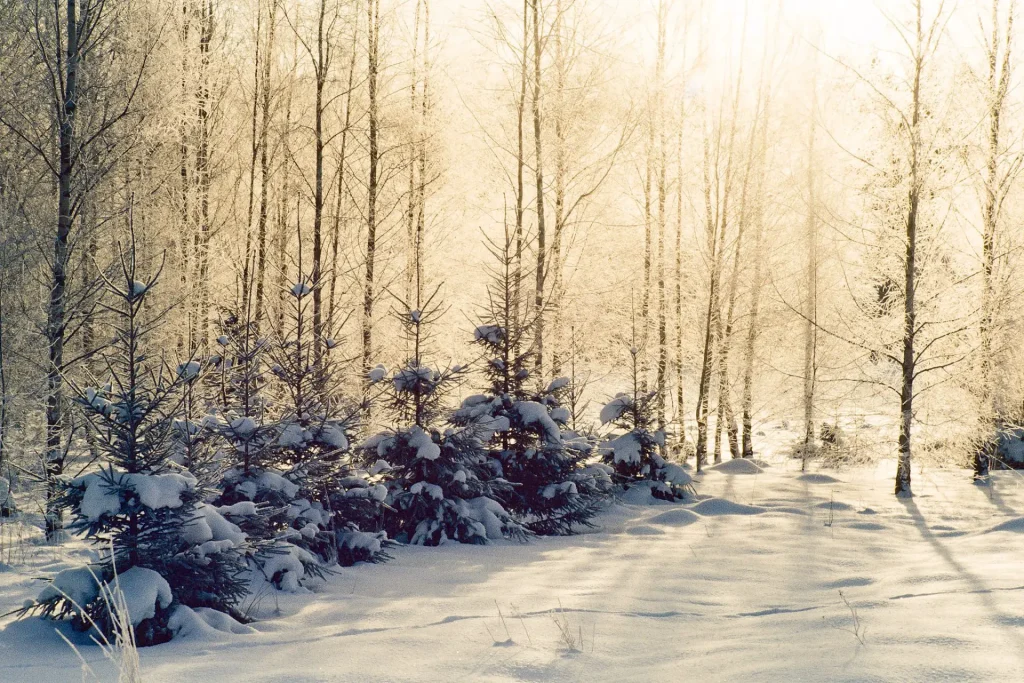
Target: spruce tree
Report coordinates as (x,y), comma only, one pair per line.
(441,483)
(633,452)
(337,506)
(552,489)
(141,508)
(253,493)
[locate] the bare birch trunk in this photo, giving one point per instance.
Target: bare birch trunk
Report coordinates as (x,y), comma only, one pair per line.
(910,271)
(339,199)
(662,372)
(261,229)
(541,274)
(810,302)
(369,283)
(56,319)
(998,85)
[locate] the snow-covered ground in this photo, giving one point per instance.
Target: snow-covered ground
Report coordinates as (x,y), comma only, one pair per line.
(749,583)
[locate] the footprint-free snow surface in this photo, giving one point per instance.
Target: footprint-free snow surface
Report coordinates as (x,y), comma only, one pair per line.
(927,589)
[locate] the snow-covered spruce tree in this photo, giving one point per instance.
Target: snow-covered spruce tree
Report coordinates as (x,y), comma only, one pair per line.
(144,510)
(332,508)
(633,451)
(441,483)
(553,491)
(251,492)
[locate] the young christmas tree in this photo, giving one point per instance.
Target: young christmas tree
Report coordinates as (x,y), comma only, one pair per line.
(165,546)
(633,453)
(335,510)
(553,490)
(252,493)
(441,484)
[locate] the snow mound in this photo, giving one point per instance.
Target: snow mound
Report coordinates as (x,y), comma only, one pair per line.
(814,478)
(644,530)
(737,466)
(714,507)
(834,505)
(1016,524)
(640,493)
(675,518)
(203,623)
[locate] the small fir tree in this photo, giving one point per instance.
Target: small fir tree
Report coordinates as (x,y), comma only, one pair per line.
(143,509)
(633,452)
(441,483)
(338,506)
(552,490)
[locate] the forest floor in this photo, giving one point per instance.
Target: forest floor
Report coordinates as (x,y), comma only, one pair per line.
(770,576)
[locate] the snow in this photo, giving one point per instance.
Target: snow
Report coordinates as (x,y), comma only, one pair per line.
(137,289)
(380,466)
(360,540)
(626,448)
(275,482)
(678,517)
(377,374)
(431,490)
(242,509)
(408,378)
(674,474)
(77,584)
(614,409)
(557,383)
(100,497)
(737,466)
(534,413)
(333,436)
(727,597)
(714,507)
(487,512)
(566,487)
(1011,445)
(155,491)
(300,290)
(494,334)
(285,563)
(160,490)
(243,427)
(222,529)
(143,591)
(1016,525)
(426,449)
(189,370)
(204,624)
(293,436)
(818,478)
(561,415)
